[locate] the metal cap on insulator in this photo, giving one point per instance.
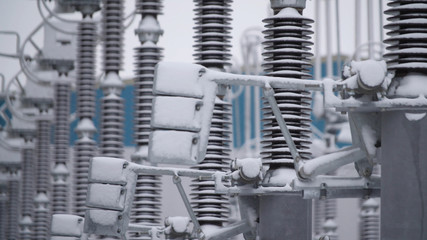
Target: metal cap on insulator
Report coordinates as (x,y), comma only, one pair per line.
(279,4)
(112,80)
(149,29)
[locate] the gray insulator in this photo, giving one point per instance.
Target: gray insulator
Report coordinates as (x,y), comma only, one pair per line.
(111,144)
(212,47)
(12,231)
(111,135)
(3,210)
(61,152)
(147,199)
(407,36)
(43,180)
(213,208)
(86,69)
(84,149)
(147,203)
(112,13)
(213,33)
(85,146)
(146,58)
(43,156)
(287,55)
(42,217)
(370,220)
(27,194)
(149,7)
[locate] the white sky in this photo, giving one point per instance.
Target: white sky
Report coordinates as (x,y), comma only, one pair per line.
(22,16)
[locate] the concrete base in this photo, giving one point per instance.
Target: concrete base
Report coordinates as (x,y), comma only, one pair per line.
(284,217)
(404,176)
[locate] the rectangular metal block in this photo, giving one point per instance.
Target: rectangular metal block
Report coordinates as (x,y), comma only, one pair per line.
(404,176)
(106,196)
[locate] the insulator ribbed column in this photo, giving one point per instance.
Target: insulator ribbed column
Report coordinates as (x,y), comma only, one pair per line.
(42,212)
(287,55)
(27,193)
(147,199)
(111,135)
(330,225)
(12,231)
(370,220)
(407,37)
(3,210)
(85,146)
(60,171)
(212,25)
(287,45)
(319,217)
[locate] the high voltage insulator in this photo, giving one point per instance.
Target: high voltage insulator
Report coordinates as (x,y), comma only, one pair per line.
(318,217)
(146,7)
(370,220)
(112,126)
(3,209)
(146,58)
(146,207)
(287,55)
(213,25)
(42,210)
(406,36)
(61,152)
(210,207)
(86,69)
(27,193)
(111,134)
(85,146)
(112,13)
(12,231)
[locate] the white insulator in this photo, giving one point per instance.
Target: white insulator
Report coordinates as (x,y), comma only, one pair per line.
(213,33)
(370,220)
(86,69)
(111,144)
(330,208)
(212,208)
(149,7)
(112,12)
(319,216)
(146,58)
(287,55)
(12,231)
(61,151)
(329,229)
(27,194)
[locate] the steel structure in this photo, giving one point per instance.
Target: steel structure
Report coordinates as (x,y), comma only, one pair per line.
(181,117)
